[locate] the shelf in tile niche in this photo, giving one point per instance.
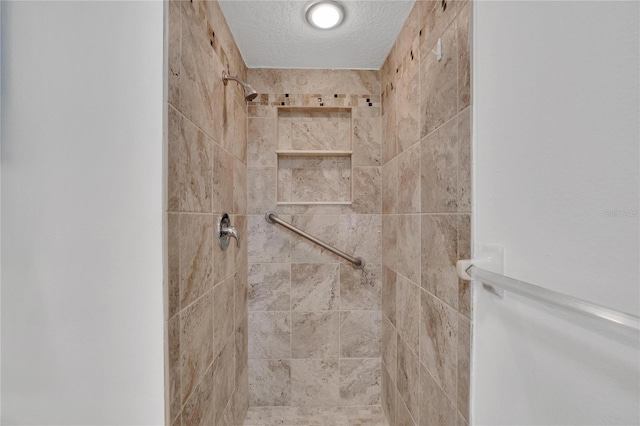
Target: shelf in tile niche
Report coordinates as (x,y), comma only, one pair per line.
(314,177)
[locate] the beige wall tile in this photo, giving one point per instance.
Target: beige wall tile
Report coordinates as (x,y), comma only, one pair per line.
(196,256)
(360,288)
(173,59)
(389,348)
(315,334)
(223,379)
(408,241)
(360,381)
(223,315)
(408,311)
(360,235)
(408,379)
(269,382)
(388,396)
(464,161)
(389,149)
(408,114)
(175,390)
(439,257)
(269,287)
(314,287)
(403,416)
(173,264)
(239,187)
(269,335)
(439,341)
(269,243)
(315,382)
(409,180)
(222,189)
(261,142)
(198,410)
(324,227)
(464,365)
(196,344)
(316,179)
(439,170)
(314,81)
(367,196)
(435,407)
(261,189)
(464,57)
(367,143)
(390,186)
(240,294)
(360,334)
(464,252)
(438,85)
(389,279)
(390,241)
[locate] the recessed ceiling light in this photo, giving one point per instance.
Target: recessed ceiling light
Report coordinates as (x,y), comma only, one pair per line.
(325,14)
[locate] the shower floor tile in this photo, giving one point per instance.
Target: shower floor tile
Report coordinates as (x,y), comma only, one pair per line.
(315,416)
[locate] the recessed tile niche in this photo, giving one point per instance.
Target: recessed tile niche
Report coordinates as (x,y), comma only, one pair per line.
(314,156)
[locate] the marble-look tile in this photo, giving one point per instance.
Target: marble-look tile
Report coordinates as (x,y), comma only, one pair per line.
(321,130)
(269,382)
(177,421)
(235,131)
(389,278)
(439,85)
(367,188)
(261,189)
(261,142)
(464,252)
(315,382)
(390,240)
(390,186)
(196,344)
(409,246)
(324,227)
(360,334)
(409,180)
(241,337)
(241,401)
(173,342)
(316,179)
(269,286)
(269,242)
(315,416)
(360,288)
(409,30)
(435,408)
(223,379)
(360,381)
(314,287)
(361,235)
(199,84)
(196,256)
(389,348)
(403,416)
(439,257)
(438,167)
(262,111)
(464,161)
(222,189)
(408,379)
(464,365)
(173,57)
(464,57)
(198,410)
(366,141)
(460,420)
(240,294)
(439,341)
(239,187)
(408,311)
(223,315)
(269,335)
(273,80)
(436,17)
(389,130)
(408,115)
(315,334)
(173,264)
(388,397)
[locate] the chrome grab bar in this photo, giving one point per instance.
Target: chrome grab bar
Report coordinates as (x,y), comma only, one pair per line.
(272,217)
(553,297)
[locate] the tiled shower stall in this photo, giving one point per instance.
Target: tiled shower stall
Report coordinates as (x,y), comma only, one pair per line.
(374,162)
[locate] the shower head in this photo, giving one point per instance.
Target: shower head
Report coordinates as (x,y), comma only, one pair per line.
(249,92)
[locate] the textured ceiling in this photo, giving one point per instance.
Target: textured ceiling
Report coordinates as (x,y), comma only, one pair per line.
(275,34)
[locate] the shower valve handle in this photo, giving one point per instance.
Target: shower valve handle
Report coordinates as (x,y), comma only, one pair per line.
(226,232)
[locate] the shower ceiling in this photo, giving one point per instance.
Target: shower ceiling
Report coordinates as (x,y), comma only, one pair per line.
(275,34)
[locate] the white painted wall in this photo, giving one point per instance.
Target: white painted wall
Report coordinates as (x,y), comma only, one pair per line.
(82,302)
(556,142)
